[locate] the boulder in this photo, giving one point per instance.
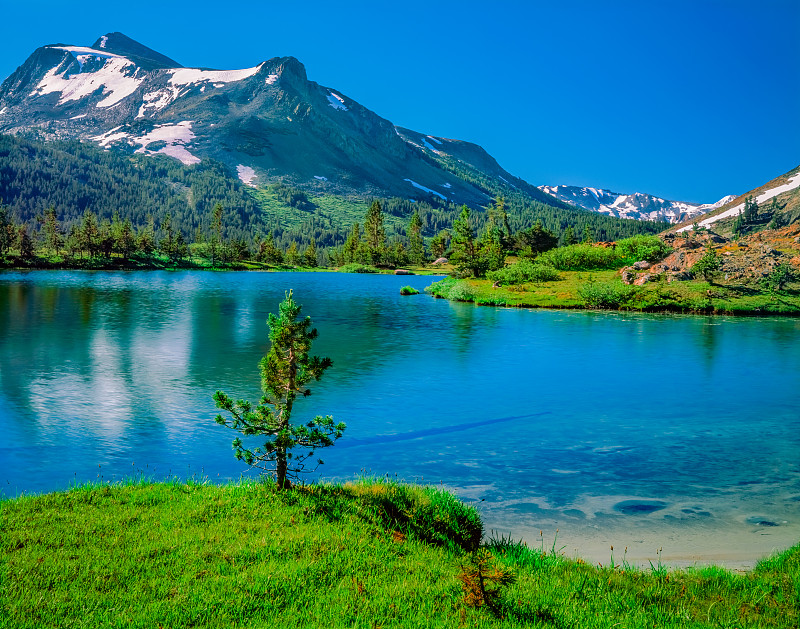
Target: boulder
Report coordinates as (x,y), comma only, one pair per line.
(627,276)
(440,261)
(641,265)
(402,272)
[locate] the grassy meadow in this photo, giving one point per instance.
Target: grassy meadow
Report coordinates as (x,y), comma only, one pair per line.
(367,554)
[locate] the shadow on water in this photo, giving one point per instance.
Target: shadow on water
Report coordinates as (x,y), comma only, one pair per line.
(431,432)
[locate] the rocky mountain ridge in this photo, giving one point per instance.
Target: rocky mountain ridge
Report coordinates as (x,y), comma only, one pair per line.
(267,123)
(638,205)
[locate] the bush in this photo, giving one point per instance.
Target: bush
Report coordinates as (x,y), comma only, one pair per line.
(451,288)
(355,267)
(608,295)
(409,290)
(582,257)
(524,271)
(650,248)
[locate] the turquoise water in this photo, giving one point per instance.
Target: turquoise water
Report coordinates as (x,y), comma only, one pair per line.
(655,430)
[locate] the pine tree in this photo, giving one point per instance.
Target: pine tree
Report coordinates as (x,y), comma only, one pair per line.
(52,231)
(215,240)
(89,233)
(24,243)
(6,230)
(465,255)
(292,256)
(285,371)
(351,244)
(439,244)
(310,254)
(416,245)
(374,233)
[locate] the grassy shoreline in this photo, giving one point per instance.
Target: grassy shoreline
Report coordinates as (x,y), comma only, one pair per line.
(366,554)
(576,290)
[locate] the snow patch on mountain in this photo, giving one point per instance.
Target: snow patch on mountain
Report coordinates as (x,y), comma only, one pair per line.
(320,178)
(791,184)
(639,205)
(103,41)
(153,102)
(434,139)
(421,187)
(191,76)
(176,136)
(336,101)
(270,80)
(246,174)
(116,78)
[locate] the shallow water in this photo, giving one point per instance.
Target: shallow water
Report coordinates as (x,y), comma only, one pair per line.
(679,432)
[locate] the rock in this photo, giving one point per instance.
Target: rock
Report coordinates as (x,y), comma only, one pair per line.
(402,272)
(627,276)
(440,261)
(644,278)
(679,276)
(641,265)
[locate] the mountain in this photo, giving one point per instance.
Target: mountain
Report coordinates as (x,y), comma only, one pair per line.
(639,205)
(267,123)
(777,205)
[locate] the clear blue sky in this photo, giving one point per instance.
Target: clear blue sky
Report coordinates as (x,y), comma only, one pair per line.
(686,100)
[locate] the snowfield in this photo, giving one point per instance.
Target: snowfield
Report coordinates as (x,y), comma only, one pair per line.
(791,184)
(246,174)
(176,137)
(116,79)
(190,76)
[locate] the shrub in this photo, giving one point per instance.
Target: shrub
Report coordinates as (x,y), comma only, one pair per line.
(451,288)
(609,295)
(409,290)
(635,248)
(355,267)
(524,271)
(582,257)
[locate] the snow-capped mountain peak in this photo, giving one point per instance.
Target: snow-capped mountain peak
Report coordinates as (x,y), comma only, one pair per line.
(638,205)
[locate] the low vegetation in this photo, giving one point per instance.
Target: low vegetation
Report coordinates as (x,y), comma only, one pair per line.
(409,290)
(367,554)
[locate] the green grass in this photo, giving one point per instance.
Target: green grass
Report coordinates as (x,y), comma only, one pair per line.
(604,290)
(367,554)
(409,290)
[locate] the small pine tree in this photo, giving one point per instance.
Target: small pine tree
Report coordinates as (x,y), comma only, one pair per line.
(285,371)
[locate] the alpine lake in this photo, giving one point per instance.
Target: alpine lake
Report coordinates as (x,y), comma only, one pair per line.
(671,438)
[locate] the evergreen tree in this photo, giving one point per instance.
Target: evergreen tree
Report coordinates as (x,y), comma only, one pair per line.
(268,252)
(568,237)
(89,233)
(750,215)
(285,371)
(466,256)
(146,238)
(310,254)
(492,255)
(52,230)
(351,244)
(167,244)
(534,240)
(374,233)
(24,243)
(439,244)
(292,256)
(215,239)
(416,245)
(6,230)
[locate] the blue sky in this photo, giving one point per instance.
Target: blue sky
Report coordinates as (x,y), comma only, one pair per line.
(686,100)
